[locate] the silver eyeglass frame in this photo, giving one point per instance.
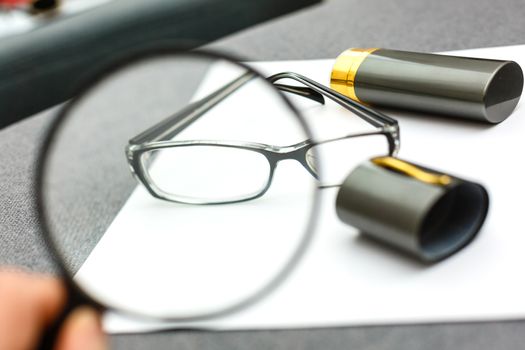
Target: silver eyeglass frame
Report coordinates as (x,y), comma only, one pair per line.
(77,295)
(160,135)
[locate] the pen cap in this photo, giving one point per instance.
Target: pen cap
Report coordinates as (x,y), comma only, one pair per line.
(424,212)
(472,88)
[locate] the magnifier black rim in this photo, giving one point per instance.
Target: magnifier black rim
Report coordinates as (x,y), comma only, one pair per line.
(152,51)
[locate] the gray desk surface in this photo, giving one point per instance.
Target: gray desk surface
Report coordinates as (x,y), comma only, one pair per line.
(319,32)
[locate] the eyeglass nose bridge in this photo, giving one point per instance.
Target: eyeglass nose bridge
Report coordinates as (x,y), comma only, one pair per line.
(298,154)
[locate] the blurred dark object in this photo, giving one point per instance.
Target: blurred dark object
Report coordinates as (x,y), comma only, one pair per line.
(42,68)
(45,5)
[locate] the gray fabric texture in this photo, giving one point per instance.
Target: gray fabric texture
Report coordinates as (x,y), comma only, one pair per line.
(319,32)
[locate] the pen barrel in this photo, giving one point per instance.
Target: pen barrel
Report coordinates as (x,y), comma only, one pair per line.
(472,88)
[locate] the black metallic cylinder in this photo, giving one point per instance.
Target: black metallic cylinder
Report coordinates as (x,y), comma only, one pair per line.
(426,213)
(477,89)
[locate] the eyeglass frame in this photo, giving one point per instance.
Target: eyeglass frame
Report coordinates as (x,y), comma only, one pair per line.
(160,135)
(78,296)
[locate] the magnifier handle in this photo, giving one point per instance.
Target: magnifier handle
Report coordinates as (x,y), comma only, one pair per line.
(74,300)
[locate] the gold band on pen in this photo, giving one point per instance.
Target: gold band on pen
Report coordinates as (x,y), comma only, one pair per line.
(412,171)
(345,69)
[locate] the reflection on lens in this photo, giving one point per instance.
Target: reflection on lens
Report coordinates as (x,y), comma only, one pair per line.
(127,243)
(207,173)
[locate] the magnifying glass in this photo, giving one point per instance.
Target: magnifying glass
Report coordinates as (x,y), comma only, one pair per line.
(183,186)
(165,193)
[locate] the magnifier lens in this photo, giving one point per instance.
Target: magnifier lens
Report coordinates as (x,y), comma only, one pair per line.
(166,188)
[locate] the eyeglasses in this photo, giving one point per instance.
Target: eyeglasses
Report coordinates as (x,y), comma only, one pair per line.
(220,172)
(203,261)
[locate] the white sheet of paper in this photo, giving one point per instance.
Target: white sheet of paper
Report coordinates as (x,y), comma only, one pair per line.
(344,280)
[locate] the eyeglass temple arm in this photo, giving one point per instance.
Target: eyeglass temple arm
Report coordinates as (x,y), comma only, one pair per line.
(388,125)
(171,126)
(366,113)
(301,91)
